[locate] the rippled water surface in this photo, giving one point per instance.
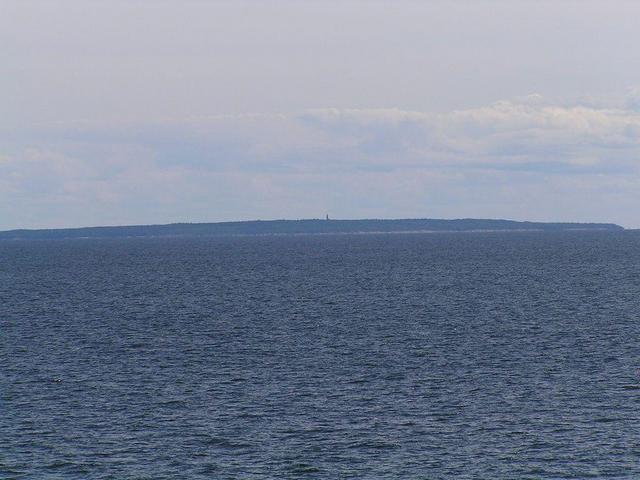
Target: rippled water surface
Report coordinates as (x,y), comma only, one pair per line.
(351,356)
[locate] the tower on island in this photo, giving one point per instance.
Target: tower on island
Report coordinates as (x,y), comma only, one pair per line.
(327,216)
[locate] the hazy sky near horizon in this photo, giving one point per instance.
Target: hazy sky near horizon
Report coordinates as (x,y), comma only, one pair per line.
(128,112)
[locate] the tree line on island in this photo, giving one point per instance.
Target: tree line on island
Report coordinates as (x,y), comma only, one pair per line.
(311,226)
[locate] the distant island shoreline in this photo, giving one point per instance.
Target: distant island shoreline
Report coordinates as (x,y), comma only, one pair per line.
(302,227)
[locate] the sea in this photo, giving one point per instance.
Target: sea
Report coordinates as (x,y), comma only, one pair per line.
(382,356)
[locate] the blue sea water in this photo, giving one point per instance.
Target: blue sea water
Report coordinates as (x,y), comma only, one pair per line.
(433,356)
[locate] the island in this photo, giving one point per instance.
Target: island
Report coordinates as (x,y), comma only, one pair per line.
(298,227)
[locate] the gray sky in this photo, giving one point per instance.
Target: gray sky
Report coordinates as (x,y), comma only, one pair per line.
(160,111)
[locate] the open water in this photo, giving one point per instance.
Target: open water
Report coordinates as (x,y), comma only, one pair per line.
(423,356)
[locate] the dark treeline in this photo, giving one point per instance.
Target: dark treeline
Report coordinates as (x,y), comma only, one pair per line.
(275,227)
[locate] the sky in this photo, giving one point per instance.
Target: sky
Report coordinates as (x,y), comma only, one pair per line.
(138,112)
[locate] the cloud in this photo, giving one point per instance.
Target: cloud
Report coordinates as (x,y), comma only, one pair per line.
(526,158)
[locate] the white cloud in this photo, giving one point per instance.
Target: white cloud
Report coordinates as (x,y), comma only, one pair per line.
(526,159)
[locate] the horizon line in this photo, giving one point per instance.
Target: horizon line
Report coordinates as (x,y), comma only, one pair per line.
(319,219)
